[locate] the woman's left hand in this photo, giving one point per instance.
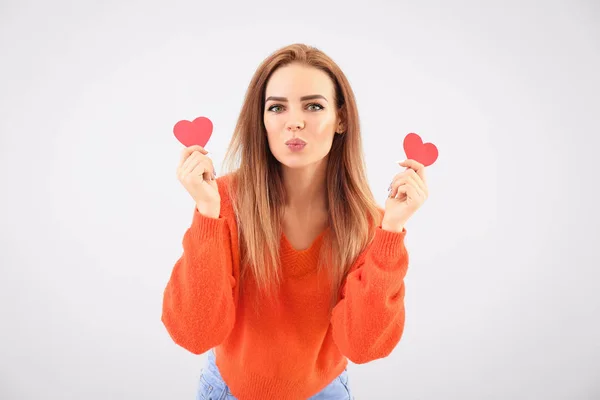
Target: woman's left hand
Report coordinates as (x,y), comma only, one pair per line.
(408,192)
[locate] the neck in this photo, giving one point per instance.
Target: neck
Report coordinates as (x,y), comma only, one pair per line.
(305,188)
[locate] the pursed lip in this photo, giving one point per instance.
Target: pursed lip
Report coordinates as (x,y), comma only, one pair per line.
(295,142)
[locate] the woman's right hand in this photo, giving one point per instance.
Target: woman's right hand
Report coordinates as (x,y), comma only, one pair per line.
(196,174)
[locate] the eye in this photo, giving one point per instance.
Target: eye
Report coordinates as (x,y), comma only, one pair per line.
(274,106)
(316,104)
(277,108)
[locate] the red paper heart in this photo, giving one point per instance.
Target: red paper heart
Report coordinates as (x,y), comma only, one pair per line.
(192,133)
(416,150)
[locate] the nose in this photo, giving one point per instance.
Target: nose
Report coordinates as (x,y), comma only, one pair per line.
(294,125)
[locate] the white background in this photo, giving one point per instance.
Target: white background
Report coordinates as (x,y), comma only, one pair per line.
(502,288)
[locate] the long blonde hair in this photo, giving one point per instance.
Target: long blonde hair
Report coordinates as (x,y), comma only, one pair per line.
(258,193)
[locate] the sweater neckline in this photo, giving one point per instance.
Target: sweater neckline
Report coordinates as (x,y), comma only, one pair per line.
(299,263)
(310,248)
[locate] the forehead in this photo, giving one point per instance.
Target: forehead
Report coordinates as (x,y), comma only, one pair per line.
(297,80)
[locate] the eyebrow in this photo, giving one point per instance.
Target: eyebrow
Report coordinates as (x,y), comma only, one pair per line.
(309,97)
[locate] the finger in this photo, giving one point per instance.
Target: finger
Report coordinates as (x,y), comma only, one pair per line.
(418,194)
(407,192)
(416,166)
(417,179)
(191,162)
(194,170)
(204,162)
(398,190)
(403,178)
(201,170)
(412,193)
(194,160)
(408,173)
(186,152)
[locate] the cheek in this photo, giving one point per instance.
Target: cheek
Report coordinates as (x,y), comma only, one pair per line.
(267,122)
(274,130)
(270,125)
(324,126)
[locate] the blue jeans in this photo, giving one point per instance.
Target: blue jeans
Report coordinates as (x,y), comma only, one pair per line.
(212,386)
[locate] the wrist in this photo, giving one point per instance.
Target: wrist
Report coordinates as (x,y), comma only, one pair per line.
(392,227)
(207,212)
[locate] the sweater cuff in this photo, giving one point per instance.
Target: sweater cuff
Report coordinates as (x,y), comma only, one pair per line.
(206,228)
(388,249)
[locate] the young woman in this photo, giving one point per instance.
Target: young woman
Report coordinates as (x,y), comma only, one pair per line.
(290,268)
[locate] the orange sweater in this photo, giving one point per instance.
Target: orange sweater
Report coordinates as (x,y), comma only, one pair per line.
(295,349)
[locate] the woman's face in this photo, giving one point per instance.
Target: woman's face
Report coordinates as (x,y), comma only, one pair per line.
(299,104)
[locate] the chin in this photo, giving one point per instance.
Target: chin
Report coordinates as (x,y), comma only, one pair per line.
(294,164)
(294,161)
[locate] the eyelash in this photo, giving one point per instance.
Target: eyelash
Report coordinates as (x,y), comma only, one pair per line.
(309,105)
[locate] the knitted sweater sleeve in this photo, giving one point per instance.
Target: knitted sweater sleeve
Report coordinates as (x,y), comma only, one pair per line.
(368,321)
(198,302)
